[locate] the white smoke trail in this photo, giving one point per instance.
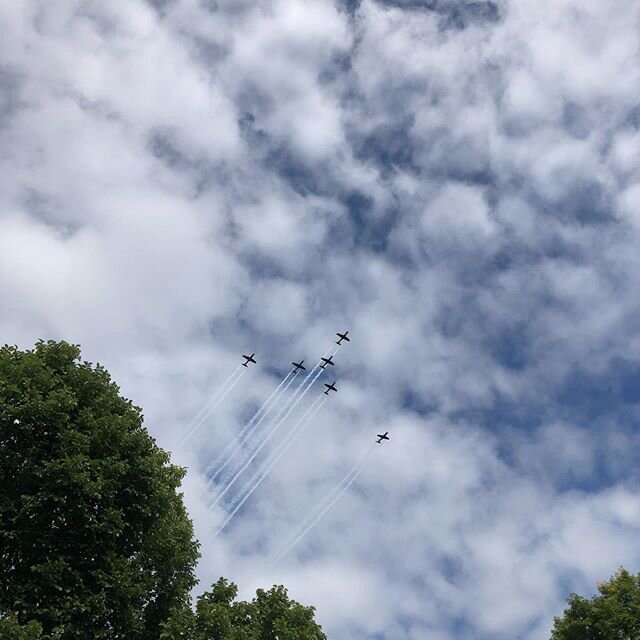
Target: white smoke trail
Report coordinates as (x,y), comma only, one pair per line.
(228,479)
(313,513)
(311,520)
(281,449)
(220,395)
(270,434)
(214,397)
(263,472)
(319,516)
(240,444)
(263,411)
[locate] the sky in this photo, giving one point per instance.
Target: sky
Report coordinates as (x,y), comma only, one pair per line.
(457,183)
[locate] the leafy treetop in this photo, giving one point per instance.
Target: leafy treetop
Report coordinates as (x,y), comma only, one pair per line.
(95,541)
(271,615)
(613,614)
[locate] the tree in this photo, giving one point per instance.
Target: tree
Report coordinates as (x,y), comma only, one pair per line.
(271,615)
(95,541)
(613,614)
(11,629)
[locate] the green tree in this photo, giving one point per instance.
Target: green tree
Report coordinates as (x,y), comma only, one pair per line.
(95,541)
(11,629)
(613,614)
(271,615)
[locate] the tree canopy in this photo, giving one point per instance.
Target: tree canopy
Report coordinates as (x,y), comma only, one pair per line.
(95,541)
(271,615)
(612,614)
(11,629)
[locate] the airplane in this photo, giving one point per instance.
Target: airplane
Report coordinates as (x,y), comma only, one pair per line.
(248,359)
(298,366)
(342,336)
(382,436)
(330,387)
(326,361)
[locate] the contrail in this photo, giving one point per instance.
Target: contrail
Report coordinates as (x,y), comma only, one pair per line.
(281,449)
(214,397)
(251,432)
(263,472)
(301,386)
(262,410)
(292,402)
(217,398)
(287,404)
(319,516)
(312,520)
(269,435)
(313,513)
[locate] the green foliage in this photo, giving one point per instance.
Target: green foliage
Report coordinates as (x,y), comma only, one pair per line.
(613,614)
(11,629)
(271,615)
(94,538)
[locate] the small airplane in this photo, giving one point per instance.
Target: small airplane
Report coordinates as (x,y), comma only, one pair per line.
(248,359)
(330,387)
(342,336)
(382,436)
(326,361)
(298,366)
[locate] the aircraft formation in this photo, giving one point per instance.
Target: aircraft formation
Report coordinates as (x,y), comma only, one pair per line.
(239,454)
(299,366)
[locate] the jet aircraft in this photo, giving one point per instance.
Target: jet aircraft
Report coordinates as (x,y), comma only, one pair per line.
(342,336)
(248,359)
(326,361)
(298,366)
(382,436)
(330,387)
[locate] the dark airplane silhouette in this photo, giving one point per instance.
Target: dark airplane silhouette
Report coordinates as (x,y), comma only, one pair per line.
(326,361)
(248,359)
(330,387)
(342,336)
(298,366)
(382,436)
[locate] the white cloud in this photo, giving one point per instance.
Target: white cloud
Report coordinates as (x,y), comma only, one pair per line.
(277,307)
(458,213)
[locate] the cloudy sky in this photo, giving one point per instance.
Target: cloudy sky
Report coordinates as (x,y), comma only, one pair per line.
(456,182)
